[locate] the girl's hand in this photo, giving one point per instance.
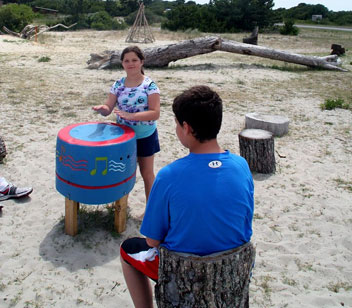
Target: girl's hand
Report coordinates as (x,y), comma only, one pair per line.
(102,109)
(124,115)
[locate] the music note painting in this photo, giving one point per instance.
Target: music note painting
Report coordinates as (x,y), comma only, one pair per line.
(100,159)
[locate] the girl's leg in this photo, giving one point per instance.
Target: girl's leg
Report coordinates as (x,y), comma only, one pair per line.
(146,167)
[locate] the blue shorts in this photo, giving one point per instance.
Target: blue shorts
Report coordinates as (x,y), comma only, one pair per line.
(148,146)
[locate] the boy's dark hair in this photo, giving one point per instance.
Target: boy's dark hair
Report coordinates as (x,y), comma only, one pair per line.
(136,50)
(201,108)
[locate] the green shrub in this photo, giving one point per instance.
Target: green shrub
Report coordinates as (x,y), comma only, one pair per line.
(15,17)
(103,21)
(44,59)
(118,24)
(289,28)
(331,104)
(100,21)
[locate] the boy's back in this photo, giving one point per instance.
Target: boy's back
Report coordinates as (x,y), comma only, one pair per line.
(209,200)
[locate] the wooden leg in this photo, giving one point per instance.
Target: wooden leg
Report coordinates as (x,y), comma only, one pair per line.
(120,214)
(71,210)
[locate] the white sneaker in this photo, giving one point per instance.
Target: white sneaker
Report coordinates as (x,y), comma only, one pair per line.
(12,191)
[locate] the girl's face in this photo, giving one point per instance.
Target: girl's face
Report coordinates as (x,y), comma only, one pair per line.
(131,63)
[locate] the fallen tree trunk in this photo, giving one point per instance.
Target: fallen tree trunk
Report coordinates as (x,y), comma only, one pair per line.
(328,62)
(162,56)
(158,56)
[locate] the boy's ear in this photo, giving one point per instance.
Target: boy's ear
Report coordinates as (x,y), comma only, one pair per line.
(187,128)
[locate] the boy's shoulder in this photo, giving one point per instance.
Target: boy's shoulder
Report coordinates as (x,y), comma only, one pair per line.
(174,167)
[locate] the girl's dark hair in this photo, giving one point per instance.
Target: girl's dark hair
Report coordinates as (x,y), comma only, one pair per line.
(136,50)
(201,108)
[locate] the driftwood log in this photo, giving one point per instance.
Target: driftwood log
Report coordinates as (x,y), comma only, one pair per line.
(276,124)
(162,56)
(257,147)
(218,280)
(31,31)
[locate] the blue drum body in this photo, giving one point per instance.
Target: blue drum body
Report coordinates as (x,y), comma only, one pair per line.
(95,162)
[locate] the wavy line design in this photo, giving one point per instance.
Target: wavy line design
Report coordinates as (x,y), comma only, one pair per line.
(116,167)
(69,161)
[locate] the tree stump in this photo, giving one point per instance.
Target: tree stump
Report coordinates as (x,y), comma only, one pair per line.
(337,49)
(276,124)
(253,38)
(257,147)
(217,280)
(2,149)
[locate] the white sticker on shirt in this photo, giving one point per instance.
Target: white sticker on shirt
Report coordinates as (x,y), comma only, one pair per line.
(215,164)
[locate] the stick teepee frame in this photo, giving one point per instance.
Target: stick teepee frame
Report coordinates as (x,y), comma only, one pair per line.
(140,31)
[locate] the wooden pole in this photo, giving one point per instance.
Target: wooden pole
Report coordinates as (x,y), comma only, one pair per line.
(120,214)
(71,212)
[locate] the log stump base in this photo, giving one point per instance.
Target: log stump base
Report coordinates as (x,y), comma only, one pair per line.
(218,280)
(257,147)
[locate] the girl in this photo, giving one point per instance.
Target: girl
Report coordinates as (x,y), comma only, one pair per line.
(137,99)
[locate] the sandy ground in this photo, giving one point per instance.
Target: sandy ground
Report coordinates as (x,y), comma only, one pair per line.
(303,215)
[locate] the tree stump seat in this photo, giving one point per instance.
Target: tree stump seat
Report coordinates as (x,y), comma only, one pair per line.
(253,38)
(257,147)
(337,49)
(217,280)
(276,124)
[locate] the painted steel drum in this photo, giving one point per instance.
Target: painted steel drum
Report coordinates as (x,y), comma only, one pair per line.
(95,162)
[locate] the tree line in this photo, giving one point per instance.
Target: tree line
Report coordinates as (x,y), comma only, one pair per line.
(217,16)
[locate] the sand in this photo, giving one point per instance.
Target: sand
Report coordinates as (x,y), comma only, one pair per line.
(303,214)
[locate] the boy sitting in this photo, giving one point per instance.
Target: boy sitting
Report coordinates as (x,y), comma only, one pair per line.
(199,204)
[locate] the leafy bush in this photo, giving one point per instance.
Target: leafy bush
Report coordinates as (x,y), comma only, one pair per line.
(289,28)
(103,21)
(331,104)
(118,24)
(15,17)
(98,21)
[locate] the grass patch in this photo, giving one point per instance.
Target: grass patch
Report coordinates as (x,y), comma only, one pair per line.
(15,42)
(335,287)
(331,104)
(44,59)
(347,185)
(290,68)
(69,114)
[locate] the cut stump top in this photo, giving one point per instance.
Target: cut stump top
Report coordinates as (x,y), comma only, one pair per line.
(276,124)
(256,134)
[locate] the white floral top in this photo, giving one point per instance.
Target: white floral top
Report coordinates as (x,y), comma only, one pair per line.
(135,100)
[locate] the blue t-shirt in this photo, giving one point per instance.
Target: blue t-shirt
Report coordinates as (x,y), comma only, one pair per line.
(135,100)
(201,204)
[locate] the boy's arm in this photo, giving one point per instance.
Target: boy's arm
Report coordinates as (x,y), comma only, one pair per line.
(152,243)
